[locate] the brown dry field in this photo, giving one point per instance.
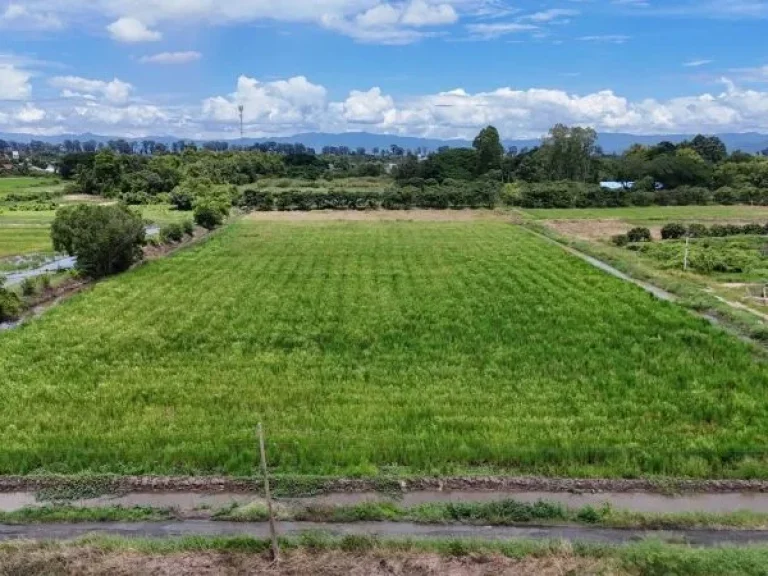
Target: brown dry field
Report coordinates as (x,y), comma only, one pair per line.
(603,229)
(594,229)
(381,215)
(90,561)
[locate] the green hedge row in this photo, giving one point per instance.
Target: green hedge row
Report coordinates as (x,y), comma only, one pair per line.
(676,230)
(567,194)
(482,195)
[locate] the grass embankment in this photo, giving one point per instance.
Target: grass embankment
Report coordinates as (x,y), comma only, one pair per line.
(319,553)
(507,512)
(652,213)
(401,348)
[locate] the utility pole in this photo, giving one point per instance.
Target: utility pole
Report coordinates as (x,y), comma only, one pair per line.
(687,252)
(241,109)
(268,496)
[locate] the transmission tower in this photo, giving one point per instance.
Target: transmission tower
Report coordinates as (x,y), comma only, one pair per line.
(241,109)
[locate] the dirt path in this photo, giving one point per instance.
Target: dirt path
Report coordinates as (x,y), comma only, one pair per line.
(196,503)
(377,529)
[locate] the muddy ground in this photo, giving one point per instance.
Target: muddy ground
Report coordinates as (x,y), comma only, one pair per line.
(90,561)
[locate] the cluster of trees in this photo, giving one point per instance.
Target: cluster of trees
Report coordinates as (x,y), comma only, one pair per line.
(455,195)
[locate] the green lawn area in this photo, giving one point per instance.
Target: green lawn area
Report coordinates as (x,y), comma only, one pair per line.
(26,232)
(28,185)
(409,347)
(653,213)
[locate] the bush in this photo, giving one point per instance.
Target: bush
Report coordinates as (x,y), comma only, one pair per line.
(620,240)
(698,231)
(209,215)
(10,305)
(188,227)
(673,231)
(753,229)
(45,282)
(172,233)
(261,200)
(28,287)
(639,235)
(105,239)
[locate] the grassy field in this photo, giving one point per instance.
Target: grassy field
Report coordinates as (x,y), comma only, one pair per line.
(737,258)
(654,213)
(27,232)
(29,186)
(409,347)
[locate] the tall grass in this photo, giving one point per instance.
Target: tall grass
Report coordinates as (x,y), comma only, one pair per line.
(406,347)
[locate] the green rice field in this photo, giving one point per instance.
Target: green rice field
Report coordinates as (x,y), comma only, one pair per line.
(378,347)
(653,213)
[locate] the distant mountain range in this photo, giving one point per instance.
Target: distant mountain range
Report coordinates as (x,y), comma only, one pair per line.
(611,142)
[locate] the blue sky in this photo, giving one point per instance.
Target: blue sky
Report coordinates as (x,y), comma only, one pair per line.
(440,68)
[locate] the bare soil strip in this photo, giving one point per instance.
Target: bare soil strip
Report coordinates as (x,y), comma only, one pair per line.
(380,215)
(260,530)
(93,561)
(314,486)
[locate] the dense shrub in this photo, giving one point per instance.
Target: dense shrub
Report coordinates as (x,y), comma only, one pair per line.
(673,231)
(620,240)
(261,200)
(172,233)
(676,230)
(698,230)
(105,239)
(639,235)
(10,305)
(188,227)
(209,215)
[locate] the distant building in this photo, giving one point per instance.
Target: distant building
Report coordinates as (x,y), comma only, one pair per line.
(15,155)
(611,185)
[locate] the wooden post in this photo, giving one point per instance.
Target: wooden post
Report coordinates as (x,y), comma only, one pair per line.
(687,250)
(272,529)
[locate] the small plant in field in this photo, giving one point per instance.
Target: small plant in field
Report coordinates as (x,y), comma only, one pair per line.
(620,240)
(28,287)
(172,233)
(45,282)
(10,305)
(639,235)
(188,227)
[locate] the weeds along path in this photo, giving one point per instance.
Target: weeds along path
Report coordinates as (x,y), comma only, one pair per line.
(656,291)
(703,538)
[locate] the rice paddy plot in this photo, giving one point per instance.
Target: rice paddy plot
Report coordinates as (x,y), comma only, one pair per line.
(372,347)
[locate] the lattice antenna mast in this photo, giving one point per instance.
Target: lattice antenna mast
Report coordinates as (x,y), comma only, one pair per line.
(241,109)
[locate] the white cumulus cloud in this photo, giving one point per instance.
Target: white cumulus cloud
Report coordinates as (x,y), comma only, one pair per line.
(14,83)
(114,91)
(172,58)
(132,30)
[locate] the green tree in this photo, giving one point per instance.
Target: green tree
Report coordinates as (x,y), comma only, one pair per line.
(490,152)
(105,239)
(568,153)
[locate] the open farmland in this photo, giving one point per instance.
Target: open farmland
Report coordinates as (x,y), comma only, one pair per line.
(653,213)
(365,347)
